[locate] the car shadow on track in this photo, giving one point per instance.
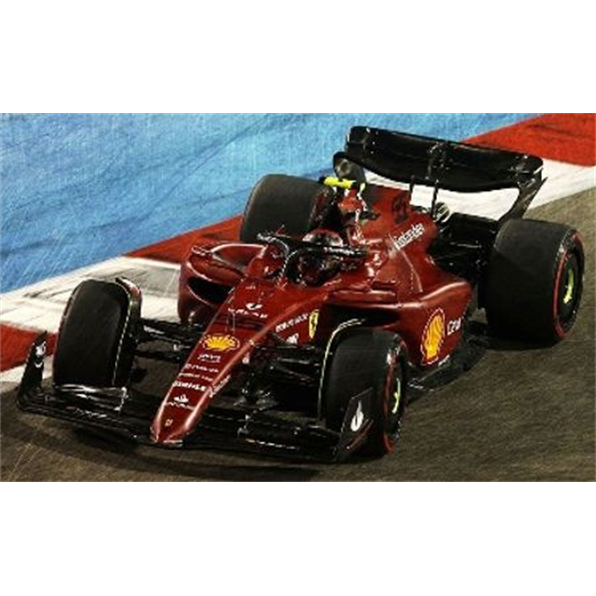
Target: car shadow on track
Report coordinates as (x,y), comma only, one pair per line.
(105,458)
(492,343)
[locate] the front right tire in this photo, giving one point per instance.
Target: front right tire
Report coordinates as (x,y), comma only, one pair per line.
(363,359)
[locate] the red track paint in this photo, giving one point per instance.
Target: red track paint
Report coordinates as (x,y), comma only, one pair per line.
(14,346)
(176,249)
(570,138)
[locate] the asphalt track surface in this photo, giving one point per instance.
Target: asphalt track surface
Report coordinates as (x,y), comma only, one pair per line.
(522,414)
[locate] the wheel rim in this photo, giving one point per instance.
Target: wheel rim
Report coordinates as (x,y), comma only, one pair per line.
(394,399)
(569,290)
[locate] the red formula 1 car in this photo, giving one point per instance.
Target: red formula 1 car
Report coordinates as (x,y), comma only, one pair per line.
(341,303)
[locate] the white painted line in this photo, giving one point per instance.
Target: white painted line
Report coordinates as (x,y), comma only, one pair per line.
(564,180)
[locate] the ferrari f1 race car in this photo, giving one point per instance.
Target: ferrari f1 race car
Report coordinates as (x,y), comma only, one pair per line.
(341,303)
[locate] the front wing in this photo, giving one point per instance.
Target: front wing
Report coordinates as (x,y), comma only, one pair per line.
(129,414)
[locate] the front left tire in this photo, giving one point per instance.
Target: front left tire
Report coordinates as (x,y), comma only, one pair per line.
(96,340)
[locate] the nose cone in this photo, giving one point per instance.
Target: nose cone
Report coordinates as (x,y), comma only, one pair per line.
(175,420)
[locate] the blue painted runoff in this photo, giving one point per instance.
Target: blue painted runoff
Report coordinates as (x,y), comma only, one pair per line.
(76,189)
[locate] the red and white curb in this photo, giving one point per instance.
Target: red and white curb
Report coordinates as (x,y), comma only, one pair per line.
(28,311)
(566,141)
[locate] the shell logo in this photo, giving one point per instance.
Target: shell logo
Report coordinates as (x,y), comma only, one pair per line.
(433,337)
(220,343)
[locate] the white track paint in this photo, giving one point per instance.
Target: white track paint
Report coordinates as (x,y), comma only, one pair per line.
(9,379)
(564,180)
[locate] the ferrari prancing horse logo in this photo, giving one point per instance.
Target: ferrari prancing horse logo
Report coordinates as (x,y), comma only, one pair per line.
(433,337)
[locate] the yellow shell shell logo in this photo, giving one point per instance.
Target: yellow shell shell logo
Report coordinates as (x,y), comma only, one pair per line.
(220,343)
(433,337)
(313,323)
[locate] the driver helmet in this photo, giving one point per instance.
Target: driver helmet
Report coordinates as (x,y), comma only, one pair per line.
(316,269)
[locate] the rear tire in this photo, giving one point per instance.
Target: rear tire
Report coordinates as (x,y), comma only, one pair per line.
(363,359)
(534,284)
(96,341)
(296,204)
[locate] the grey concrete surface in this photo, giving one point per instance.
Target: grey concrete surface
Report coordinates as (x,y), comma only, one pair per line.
(521,415)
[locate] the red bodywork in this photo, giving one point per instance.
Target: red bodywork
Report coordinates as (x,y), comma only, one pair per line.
(398,287)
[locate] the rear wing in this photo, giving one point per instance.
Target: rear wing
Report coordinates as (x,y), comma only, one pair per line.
(444,165)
